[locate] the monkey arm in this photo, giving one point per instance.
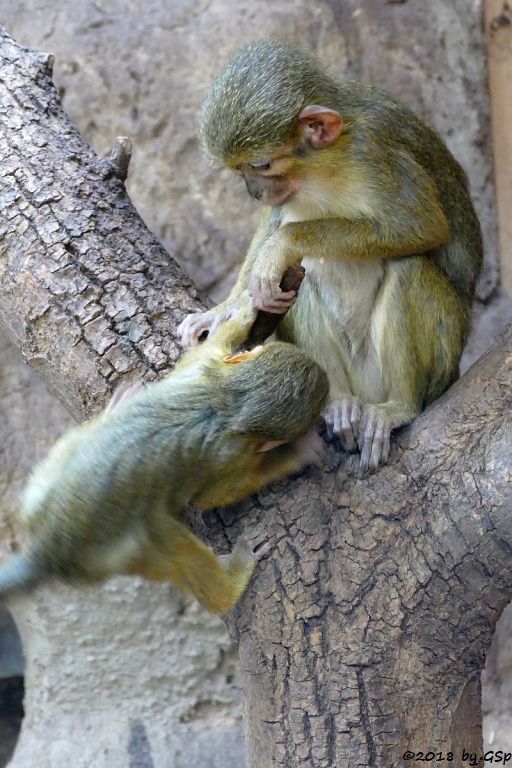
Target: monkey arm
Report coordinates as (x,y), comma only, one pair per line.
(267,225)
(194,325)
(408,223)
(401,234)
(395,212)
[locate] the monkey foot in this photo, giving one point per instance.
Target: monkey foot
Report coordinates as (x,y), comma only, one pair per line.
(373,440)
(342,418)
(252,543)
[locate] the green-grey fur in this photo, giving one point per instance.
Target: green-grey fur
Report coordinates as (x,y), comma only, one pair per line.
(245,96)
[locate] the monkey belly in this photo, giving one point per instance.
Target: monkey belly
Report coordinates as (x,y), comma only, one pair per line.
(380,331)
(333,321)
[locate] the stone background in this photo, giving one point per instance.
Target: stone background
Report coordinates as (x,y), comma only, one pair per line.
(141,69)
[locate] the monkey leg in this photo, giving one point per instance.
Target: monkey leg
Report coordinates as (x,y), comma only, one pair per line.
(177,555)
(310,325)
(416,366)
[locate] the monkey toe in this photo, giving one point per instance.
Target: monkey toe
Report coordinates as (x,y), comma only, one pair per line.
(374,439)
(342,419)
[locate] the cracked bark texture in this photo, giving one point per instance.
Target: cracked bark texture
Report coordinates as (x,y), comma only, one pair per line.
(88,293)
(365,630)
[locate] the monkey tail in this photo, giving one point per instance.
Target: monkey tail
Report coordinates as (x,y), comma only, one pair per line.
(19,573)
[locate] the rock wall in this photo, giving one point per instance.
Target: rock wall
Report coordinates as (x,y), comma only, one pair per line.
(143,68)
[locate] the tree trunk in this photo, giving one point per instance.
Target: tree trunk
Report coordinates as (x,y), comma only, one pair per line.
(365,630)
(368,631)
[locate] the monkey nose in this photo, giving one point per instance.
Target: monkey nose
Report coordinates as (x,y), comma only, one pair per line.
(255,190)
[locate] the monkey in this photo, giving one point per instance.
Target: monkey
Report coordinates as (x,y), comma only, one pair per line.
(370,200)
(108,499)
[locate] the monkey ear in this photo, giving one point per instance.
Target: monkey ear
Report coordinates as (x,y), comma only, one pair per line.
(238,357)
(320,126)
(268,445)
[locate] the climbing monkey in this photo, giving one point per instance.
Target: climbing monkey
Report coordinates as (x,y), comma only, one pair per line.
(108,498)
(371,201)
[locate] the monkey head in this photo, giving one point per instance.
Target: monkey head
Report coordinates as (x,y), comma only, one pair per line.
(274,392)
(268,116)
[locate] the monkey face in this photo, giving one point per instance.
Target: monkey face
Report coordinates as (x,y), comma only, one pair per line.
(274,177)
(271,181)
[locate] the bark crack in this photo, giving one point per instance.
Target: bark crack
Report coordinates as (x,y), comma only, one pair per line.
(365,717)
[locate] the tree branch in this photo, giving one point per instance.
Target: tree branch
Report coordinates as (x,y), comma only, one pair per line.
(87,293)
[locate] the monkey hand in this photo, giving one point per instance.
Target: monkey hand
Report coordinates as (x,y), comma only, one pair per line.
(266,293)
(194,325)
(373,439)
(252,544)
(310,449)
(342,419)
(197,323)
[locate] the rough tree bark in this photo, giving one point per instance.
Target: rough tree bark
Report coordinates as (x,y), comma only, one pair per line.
(365,630)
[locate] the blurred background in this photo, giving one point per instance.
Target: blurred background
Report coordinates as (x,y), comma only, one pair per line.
(141,68)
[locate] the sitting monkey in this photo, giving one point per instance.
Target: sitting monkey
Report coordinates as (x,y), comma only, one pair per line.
(108,498)
(369,198)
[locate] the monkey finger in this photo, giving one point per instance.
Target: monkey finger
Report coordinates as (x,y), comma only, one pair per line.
(374,439)
(279,304)
(342,419)
(386,444)
(217,322)
(287,296)
(328,416)
(256,293)
(376,456)
(347,432)
(275,308)
(336,418)
(270,290)
(366,426)
(366,449)
(366,437)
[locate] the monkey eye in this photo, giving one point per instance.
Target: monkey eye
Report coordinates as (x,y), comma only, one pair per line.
(261,166)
